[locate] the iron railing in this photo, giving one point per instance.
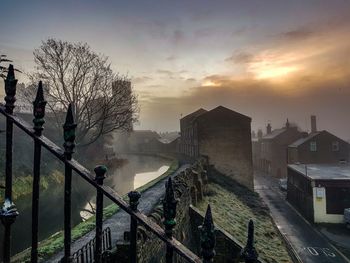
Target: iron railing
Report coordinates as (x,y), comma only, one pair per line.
(9,212)
(87,252)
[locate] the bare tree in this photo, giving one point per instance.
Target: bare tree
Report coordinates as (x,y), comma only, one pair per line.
(3,69)
(103,101)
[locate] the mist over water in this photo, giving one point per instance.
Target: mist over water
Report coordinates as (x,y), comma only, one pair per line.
(135,172)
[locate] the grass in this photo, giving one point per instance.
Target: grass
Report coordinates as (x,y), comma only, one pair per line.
(54,243)
(22,185)
(232,210)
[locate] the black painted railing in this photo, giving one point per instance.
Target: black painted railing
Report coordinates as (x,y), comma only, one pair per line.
(8,212)
(87,252)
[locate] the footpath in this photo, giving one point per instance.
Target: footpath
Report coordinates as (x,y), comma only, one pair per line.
(120,221)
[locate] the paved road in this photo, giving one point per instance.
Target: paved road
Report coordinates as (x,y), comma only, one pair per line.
(308,243)
(120,222)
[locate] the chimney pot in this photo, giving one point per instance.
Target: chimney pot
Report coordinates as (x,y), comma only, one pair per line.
(268,128)
(313,124)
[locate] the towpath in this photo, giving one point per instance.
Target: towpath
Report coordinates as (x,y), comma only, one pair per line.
(120,221)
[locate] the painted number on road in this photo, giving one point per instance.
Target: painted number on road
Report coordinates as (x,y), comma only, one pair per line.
(317,251)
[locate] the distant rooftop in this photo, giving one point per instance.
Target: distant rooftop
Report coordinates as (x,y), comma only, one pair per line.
(323,171)
(302,140)
(274,133)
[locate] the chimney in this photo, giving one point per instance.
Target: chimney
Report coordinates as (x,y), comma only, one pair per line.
(260,134)
(268,128)
(313,124)
(287,124)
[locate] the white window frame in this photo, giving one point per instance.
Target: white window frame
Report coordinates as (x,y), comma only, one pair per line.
(335,146)
(313,146)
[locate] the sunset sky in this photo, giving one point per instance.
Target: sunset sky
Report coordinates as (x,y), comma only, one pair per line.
(270,60)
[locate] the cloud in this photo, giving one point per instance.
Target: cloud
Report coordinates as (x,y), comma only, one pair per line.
(171,58)
(178,37)
(166,73)
(240,57)
(297,34)
(263,100)
(142,79)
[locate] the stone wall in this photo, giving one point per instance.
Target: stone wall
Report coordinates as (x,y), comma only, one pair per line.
(189,187)
(227,248)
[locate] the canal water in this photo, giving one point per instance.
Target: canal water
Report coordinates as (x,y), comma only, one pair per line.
(133,173)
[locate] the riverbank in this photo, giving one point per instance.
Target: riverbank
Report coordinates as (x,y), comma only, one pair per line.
(233,206)
(22,185)
(54,244)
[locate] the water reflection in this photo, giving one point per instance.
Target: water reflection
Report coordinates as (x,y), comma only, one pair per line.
(135,172)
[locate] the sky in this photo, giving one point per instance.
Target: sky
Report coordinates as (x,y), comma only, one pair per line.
(268,59)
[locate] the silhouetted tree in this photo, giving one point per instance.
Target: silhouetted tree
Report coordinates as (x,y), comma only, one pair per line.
(3,69)
(73,73)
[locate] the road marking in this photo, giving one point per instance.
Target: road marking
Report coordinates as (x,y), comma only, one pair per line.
(319,251)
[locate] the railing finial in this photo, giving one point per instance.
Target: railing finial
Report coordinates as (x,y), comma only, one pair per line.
(207,237)
(100,173)
(249,253)
(134,197)
(169,208)
(39,109)
(10,89)
(69,133)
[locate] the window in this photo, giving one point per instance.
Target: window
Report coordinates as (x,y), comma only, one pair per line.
(313,146)
(335,146)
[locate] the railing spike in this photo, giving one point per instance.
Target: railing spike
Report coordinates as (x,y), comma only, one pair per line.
(69,132)
(249,253)
(69,144)
(40,93)
(207,237)
(39,110)
(169,213)
(169,208)
(10,89)
(69,115)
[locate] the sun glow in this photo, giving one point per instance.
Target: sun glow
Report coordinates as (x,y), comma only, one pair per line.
(274,72)
(210,83)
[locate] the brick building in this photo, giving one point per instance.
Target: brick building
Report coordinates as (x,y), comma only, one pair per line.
(318,147)
(224,136)
(271,154)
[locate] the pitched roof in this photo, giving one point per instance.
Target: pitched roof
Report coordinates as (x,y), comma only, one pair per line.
(194,114)
(300,141)
(274,133)
(222,108)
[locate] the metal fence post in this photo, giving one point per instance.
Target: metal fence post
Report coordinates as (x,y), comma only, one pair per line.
(249,253)
(39,112)
(207,237)
(69,144)
(9,211)
(100,172)
(134,197)
(169,210)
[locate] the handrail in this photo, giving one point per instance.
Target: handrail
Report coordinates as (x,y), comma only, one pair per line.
(178,247)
